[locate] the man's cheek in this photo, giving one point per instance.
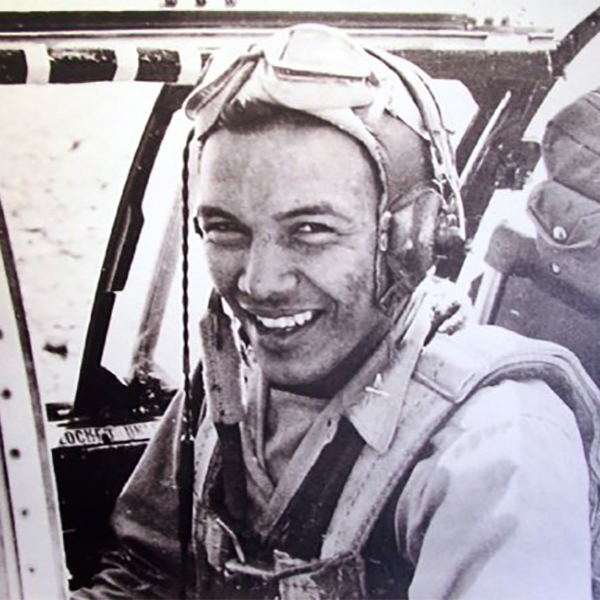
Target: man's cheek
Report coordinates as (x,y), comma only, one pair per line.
(222,272)
(354,287)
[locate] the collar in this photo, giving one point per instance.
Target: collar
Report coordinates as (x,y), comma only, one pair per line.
(376,408)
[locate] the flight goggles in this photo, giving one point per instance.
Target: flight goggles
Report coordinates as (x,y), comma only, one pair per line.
(367,93)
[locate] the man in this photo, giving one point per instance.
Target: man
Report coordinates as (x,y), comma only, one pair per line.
(345,449)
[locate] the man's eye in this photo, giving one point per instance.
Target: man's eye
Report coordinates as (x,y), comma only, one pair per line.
(315,233)
(223,233)
(313,228)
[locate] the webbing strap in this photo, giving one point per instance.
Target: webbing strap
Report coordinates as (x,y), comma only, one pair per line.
(233,470)
(376,476)
(301,528)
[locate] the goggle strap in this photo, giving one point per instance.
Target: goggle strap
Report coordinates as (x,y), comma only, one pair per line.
(213,97)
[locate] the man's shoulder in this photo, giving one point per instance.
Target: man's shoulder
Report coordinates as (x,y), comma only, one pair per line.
(489,374)
(456,365)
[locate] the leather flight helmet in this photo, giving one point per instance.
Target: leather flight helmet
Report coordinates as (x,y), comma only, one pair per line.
(387,104)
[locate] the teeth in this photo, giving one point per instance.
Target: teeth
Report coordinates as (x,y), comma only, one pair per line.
(302,318)
(287,322)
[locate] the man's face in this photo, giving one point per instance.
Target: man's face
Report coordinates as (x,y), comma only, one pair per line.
(289,220)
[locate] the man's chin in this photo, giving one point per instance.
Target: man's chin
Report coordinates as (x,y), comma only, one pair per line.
(320,371)
(289,372)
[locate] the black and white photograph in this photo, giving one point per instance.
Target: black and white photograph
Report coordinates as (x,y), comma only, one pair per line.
(300,300)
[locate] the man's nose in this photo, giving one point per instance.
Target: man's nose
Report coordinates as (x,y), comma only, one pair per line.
(268,272)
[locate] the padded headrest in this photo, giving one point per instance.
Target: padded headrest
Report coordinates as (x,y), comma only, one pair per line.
(571,146)
(566,207)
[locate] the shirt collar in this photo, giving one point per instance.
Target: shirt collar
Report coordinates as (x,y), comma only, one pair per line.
(376,410)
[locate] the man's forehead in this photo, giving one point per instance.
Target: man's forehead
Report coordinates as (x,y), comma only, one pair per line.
(287,172)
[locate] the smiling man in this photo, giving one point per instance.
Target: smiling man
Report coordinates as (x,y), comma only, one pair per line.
(348,446)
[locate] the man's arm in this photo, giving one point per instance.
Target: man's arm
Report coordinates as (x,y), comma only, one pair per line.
(147,562)
(500,508)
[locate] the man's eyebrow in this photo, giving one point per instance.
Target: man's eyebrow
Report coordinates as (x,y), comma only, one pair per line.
(206,212)
(322,208)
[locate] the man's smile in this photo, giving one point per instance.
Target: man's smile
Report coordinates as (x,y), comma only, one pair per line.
(284,323)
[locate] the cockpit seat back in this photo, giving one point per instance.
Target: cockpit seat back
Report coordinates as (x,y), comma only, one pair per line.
(546,284)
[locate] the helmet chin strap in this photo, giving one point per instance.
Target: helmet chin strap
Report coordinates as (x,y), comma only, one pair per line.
(185,471)
(221,374)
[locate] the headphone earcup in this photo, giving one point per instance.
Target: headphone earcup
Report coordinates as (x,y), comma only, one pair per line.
(412,237)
